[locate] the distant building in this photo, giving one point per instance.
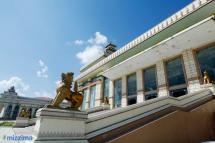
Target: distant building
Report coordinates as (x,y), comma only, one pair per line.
(11,104)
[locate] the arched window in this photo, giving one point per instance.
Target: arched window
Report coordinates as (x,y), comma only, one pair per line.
(15,112)
(8,112)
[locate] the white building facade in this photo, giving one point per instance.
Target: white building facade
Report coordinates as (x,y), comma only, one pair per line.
(11,104)
(168,60)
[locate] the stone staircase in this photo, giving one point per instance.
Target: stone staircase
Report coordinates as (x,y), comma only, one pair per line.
(117,124)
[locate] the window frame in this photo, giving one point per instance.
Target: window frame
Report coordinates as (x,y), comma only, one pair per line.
(131,96)
(156,78)
(197,64)
(174,87)
(114,103)
(103,88)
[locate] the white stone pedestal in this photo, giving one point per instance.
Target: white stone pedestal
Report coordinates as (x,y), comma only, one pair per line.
(60,126)
(22,122)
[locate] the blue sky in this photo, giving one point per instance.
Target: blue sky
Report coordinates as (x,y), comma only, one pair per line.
(39,39)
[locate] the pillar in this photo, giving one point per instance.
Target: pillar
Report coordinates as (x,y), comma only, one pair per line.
(161,79)
(111,94)
(3,111)
(191,71)
(20,109)
(5,108)
(87,103)
(124,101)
(98,97)
(140,94)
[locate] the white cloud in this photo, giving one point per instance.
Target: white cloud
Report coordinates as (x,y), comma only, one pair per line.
(99,39)
(41,63)
(89,54)
(44,94)
(93,49)
(15,81)
(43,72)
(78,42)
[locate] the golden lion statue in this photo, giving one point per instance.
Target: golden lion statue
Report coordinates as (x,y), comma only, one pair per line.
(206,78)
(24,113)
(64,92)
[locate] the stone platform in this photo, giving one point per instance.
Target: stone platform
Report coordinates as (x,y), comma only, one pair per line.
(60,125)
(22,122)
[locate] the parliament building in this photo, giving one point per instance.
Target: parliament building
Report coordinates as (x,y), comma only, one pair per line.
(168,60)
(159,83)
(158,88)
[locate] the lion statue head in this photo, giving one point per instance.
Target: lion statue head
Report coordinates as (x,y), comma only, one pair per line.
(67,78)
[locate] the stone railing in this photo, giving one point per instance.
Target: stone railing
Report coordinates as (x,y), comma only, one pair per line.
(97,124)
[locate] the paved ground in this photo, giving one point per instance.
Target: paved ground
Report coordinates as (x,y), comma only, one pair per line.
(17,135)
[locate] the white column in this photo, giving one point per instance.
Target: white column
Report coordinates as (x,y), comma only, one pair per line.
(98,99)
(124,101)
(87,103)
(161,79)
(140,95)
(191,71)
(32,112)
(1,107)
(5,106)
(111,94)
(20,109)
(3,111)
